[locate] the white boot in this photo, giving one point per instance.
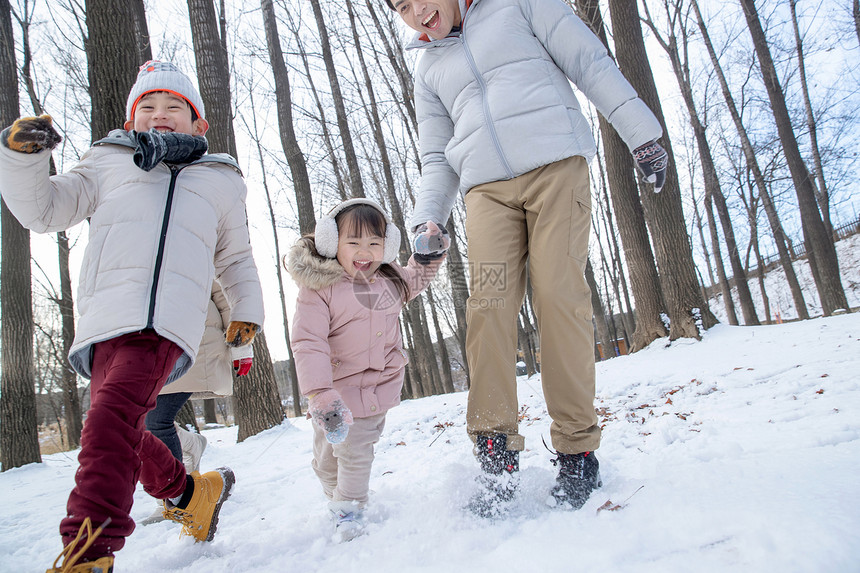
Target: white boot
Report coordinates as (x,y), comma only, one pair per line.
(156,516)
(348,519)
(192,448)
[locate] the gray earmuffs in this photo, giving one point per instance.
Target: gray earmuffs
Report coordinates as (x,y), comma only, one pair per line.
(326,235)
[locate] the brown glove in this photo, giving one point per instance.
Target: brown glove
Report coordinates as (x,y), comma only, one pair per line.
(240,333)
(31,134)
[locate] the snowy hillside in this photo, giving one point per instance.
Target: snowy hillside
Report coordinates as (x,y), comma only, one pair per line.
(738,453)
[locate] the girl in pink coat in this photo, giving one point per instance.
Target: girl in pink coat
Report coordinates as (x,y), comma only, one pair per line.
(347,344)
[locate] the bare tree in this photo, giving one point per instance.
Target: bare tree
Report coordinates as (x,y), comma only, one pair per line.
(289,141)
(819,245)
(257,138)
(676,46)
(355,182)
(665,215)
(644,281)
(71,400)
(822,194)
(256,396)
(750,156)
(19,440)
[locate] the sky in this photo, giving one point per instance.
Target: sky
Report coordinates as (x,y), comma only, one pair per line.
(737,453)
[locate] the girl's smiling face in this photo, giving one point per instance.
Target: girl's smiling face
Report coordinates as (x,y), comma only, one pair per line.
(360,245)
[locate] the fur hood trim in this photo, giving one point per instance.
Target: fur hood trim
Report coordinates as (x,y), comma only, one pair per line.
(311,270)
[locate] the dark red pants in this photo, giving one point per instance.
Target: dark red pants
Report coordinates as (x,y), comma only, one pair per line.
(116,450)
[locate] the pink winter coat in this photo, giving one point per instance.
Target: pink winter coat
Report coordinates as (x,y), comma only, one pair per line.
(346,332)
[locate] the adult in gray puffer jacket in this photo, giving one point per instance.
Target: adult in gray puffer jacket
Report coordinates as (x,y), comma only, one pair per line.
(499,122)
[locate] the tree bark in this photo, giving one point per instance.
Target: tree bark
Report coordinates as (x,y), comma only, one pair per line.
(112,61)
(819,246)
(19,439)
(671,242)
(213,76)
(644,280)
(257,405)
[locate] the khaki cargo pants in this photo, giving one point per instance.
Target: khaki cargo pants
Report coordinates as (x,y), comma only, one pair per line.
(538,221)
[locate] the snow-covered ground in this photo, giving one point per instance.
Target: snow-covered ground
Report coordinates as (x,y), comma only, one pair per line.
(737,453)
(775,286)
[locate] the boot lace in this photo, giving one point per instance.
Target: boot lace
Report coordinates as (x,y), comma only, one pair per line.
(70,558)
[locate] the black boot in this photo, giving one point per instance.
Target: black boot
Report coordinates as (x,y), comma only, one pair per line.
(578,476)
(499,479)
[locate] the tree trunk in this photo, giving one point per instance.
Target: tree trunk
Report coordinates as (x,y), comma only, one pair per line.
(71,399)
(213,76)
(144,46)
(855,12)
(186,417)
(822,193)
(725,287)
(644,281)
(671,242)
(445,361)
(256,394)
(749,154)
(19,439)
(355,182)
(210,415)
(257,405)
(599,316)
(289,142)
(112,61)
(819,246)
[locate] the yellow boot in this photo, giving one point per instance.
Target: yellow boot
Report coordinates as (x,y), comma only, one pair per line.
(70,557)
(200,516)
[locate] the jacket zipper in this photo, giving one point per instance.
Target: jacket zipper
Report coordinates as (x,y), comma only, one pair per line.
(491,127)
(159,257)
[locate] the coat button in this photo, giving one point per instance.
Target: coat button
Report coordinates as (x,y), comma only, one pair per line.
(373,408)
(379,333)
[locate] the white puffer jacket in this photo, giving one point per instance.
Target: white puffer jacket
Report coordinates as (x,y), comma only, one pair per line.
(212,373)
(495,101)
(157,240)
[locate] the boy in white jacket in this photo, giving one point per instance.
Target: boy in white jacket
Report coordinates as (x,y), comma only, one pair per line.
(165,220)
(499,122)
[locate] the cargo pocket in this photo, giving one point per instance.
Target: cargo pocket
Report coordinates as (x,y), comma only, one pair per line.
(580,221)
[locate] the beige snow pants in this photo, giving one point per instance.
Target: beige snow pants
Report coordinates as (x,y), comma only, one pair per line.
(344,469)
(538,221)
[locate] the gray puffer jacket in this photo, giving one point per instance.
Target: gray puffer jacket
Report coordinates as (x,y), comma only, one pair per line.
(495,101)
(157,240)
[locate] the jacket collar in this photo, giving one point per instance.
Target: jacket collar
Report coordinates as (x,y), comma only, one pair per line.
(311,270)
(123,138)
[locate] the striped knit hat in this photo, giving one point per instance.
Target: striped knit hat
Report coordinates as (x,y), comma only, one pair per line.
(157,76)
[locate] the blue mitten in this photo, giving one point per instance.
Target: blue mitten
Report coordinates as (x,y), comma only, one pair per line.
(331,414)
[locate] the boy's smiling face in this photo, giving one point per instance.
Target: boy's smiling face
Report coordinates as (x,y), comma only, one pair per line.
(167,113)
(434,17)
